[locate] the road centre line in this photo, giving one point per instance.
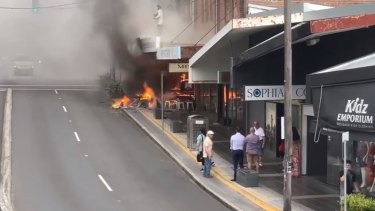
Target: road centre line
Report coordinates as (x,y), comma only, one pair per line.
(77,137)
(105,183)
(56,91)
(64,108)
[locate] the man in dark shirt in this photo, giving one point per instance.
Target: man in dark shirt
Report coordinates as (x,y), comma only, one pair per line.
(351,181)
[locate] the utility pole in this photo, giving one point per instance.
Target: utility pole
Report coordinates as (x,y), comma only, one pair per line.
(288,108)
(162,98)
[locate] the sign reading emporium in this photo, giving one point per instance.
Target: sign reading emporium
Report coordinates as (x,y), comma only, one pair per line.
(345,107)
(254,93)
(355,115)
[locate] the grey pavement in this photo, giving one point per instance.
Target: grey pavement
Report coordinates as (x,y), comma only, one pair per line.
(59,153)
(213,185)
(308,192)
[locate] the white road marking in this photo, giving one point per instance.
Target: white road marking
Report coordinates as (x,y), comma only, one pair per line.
(65,109)
(60,98)
(77,137)
(56,91)
(86,155)
(105,183)
(70,121)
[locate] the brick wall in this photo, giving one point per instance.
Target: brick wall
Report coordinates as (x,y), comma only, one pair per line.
(334,3)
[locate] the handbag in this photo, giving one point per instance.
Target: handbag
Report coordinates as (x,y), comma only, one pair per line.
(199,157)
(200,154)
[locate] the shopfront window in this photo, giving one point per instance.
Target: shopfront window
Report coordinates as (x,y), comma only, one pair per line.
(209,98)
(362,156)
(233,100)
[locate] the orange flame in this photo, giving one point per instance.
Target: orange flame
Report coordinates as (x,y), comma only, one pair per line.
(232,94)
(123,102)
(149,95)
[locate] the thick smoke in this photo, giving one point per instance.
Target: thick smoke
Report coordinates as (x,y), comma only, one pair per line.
(58,40)
(122,22)
(113,21)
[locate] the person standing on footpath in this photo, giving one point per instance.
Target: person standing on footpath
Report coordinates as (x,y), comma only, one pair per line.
(236,146)
(296,172)
(351,181)
(252,145)
(208,153)
(199,145)
(262,137)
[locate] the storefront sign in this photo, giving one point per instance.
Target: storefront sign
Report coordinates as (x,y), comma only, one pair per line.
(150,44)
(178,67)
(346,108)
(254,93)
(169,53)
(199,122)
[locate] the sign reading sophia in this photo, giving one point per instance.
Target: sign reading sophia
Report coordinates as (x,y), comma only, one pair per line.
(255,93)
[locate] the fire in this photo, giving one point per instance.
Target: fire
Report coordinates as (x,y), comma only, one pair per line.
(232,94)
(123,102)
(149,95)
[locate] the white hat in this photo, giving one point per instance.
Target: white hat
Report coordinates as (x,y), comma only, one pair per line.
(210,132)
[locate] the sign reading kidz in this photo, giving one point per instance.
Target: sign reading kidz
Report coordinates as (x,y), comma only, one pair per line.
(254,93)
(355,115)
(345,107)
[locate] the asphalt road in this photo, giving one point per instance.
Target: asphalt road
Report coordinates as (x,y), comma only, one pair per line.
(72,152)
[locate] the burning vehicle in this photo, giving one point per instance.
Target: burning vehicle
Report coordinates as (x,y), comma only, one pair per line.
(181,92)
(146,99)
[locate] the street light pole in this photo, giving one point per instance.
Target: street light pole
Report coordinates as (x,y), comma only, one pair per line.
(288,108)
(162,98)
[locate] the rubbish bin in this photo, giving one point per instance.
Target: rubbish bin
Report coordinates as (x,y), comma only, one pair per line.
(246,178)
(194,124)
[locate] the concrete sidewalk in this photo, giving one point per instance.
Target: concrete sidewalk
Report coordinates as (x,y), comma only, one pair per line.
(230,193)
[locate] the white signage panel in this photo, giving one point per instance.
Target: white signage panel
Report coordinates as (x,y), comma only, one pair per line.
(150,44)
(178,67)
(168,53)
(199,122)
(255,93)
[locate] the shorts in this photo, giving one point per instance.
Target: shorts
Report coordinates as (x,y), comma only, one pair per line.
(260,151)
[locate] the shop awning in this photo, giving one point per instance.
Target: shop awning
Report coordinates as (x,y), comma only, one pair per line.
(215,55)
(308,31)
(233,39)
(343,97)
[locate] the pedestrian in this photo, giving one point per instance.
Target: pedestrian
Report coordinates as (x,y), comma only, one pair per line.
(236,146)
(252,142)
(296,155)
(159,17)
(262,137)
(208,153)
(199,146)
(351,181)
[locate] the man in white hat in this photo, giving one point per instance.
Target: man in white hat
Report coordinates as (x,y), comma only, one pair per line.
(208,153)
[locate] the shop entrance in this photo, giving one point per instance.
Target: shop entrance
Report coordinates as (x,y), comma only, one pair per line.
(273,127)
